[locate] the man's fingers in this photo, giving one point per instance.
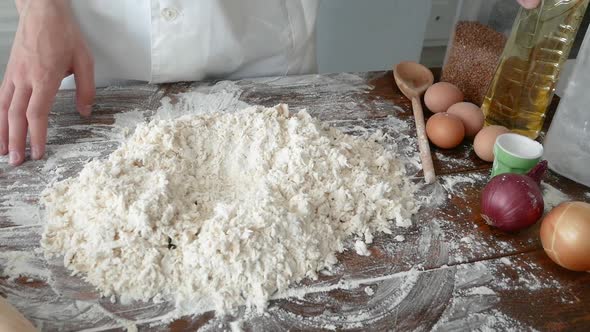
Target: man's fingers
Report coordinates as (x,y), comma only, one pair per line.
(37,117)
(6,92)
(17,125)
(84,77)
(529,4)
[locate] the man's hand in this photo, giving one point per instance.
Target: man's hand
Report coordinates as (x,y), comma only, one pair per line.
(48,46)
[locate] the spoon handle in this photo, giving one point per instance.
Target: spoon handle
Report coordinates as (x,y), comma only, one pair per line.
(423,145)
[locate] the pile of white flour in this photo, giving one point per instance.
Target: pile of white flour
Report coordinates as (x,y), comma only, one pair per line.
(229,207)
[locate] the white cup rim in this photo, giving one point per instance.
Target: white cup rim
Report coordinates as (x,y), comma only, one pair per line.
(519,146)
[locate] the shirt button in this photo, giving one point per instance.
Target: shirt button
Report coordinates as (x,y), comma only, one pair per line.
(169,14)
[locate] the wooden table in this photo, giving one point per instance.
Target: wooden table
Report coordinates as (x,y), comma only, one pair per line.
(449,271)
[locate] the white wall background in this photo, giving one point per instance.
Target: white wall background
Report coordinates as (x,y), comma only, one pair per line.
(370,35)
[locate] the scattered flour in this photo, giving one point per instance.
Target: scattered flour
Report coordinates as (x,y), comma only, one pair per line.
(229,207)
(58,154)
(466,239)
(399,238)
(236,326)
(433,196)
(481,290)
(452,182)
(223,96)
(405,140)
(22,263)
(126,123)
(473,308)
(490,320)
(361,248)
(19,211)
(456,161)
(369,291)
(552,196)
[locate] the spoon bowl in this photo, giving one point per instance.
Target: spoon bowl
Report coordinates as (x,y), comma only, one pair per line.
(413,79)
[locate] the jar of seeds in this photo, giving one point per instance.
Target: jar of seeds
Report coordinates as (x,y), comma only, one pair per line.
(476,43)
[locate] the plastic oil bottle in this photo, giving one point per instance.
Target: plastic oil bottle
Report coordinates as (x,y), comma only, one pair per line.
(528,70)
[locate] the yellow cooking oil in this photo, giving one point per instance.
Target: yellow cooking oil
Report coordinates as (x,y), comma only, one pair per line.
(528,70)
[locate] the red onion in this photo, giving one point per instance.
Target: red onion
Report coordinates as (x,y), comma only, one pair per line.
(512,202)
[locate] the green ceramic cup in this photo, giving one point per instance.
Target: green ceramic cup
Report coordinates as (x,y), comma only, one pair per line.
(514,153)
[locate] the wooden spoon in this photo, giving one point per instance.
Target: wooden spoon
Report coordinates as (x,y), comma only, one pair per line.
(413,79)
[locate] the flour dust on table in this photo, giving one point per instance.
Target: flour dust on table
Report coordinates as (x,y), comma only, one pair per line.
(225,209)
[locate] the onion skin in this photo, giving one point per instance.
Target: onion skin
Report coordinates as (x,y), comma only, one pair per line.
(565,235)
(511,202)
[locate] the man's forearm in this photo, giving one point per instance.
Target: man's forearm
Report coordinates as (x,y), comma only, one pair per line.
(22,4)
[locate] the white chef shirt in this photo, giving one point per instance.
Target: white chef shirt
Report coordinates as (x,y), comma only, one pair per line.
(188,40)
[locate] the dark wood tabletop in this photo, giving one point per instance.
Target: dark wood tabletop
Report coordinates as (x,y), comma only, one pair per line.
(449,271)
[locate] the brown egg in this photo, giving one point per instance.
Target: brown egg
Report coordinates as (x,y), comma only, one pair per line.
(564,234)
(484,141)
(445,130)
(470,115)
(440,96)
